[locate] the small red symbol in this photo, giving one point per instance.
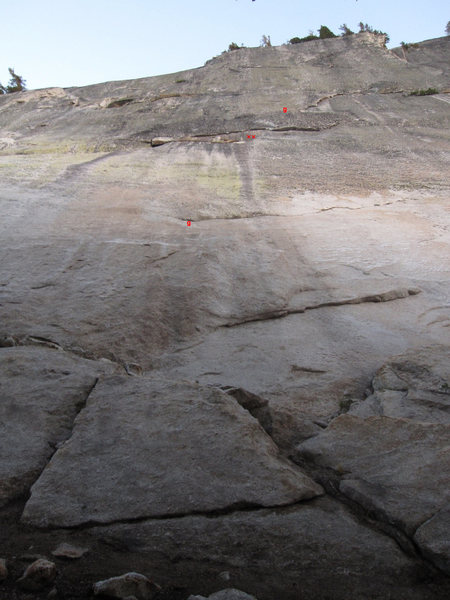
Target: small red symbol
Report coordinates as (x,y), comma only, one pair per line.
(251,136)
(188,223)
(248,137)
(284,109)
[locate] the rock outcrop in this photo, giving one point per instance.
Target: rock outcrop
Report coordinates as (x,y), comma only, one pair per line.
(224,349)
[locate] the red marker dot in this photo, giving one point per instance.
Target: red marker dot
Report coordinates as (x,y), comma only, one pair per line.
(188,223)
(284,109)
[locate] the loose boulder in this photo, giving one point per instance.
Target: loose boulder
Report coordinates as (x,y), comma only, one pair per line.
(124,586)
(37,576)
(68,551)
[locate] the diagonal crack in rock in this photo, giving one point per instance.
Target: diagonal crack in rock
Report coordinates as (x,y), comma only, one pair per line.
(389,296)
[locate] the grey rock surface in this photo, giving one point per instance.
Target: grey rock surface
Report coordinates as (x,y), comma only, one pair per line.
(433,538)
(395,467)
(37,576)
(414,386)
(41,392)
(65,550)
(320,541)
(148,448)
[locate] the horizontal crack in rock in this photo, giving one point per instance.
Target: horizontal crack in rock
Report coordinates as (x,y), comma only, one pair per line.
(211,514)
(278,314)
(161,140)
(8,340)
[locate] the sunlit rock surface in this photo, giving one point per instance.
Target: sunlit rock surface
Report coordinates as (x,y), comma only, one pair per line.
(178,393)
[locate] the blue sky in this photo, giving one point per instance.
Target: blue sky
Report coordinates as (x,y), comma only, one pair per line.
(70,43)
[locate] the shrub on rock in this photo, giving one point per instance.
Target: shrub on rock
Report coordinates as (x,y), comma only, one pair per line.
(325,33)
(16,84)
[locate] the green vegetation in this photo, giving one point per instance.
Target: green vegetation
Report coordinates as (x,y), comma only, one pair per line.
(16,84)
(345,30)
(447,28)
(308,38)
(325,33)
(406,46)
(427,92)
(345,404)
(180,80)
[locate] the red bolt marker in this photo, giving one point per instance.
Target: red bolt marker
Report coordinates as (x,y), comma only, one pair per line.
(188,223)
(284,109)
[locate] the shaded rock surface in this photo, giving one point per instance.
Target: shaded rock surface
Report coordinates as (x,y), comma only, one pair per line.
(433,538)
(41,392)
(396,467)
(3,569)
(320,541)
(151,371)
(228,594)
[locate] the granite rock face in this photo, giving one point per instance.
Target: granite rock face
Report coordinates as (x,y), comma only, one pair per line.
(224,327)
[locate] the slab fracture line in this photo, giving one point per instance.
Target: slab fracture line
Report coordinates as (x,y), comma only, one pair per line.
(55,447)
(279,314)
(210,514)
